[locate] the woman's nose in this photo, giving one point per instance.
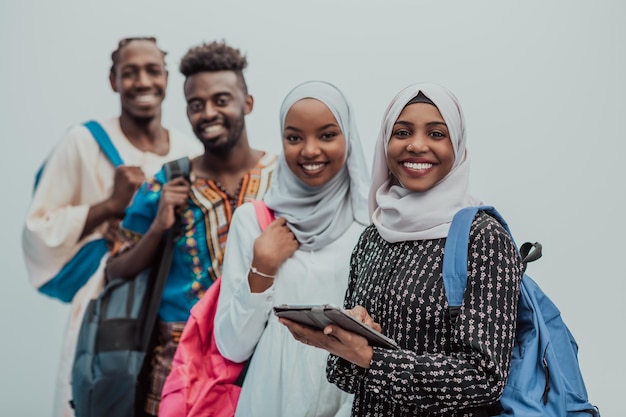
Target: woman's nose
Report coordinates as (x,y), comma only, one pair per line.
(311,148)
(417,144)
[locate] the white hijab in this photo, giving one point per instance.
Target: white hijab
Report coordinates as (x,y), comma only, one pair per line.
(400,214)
(319,215)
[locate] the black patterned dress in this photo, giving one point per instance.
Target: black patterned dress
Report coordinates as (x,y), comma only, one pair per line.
(446,367)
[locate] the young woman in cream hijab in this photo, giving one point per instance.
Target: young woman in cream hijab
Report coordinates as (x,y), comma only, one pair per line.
(445,366)
(319,197)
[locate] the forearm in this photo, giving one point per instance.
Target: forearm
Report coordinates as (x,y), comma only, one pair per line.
(346,375)
(426,381)
(131,262)
(100,213)
(240,322)
(261,277)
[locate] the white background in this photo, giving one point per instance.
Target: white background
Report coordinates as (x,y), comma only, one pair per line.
(542,84)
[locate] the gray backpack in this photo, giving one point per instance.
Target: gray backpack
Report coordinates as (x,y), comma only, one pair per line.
(116,337)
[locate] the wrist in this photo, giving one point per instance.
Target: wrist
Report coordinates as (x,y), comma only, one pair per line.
(265,265)
(114,209)
(367,353)
(156,230)
(255,271)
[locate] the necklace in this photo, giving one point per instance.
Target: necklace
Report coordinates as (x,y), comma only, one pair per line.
(232,199)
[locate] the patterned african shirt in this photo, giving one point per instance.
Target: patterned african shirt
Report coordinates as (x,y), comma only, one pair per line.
(199,252)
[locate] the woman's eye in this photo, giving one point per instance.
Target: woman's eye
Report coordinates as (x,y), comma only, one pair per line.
(401,133)
(292,138)
(328,135)
(437,135)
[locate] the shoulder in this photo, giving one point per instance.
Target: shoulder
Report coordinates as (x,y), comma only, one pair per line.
(484,224)
(77,134)
(77,143)
(350,237)
(81,136)
(487,233)
(183,144)
(369,237)
(267,161)
(245,218)
(369,233)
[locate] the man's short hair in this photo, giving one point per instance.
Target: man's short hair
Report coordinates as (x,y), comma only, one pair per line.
(115,55)
(212,57)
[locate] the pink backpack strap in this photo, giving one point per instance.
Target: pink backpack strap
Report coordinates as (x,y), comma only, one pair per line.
(202,381)
(263,213)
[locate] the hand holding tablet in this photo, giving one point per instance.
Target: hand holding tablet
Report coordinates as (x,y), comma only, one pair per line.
(320,316)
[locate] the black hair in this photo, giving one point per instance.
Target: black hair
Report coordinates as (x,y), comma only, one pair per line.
(214,56)
(420,98)
(115,55)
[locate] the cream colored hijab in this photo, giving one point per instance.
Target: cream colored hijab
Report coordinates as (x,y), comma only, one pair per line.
(400,214)
(319,215)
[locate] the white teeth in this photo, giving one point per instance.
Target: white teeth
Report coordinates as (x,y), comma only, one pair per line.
(145,98)
(417,166)
(212,129)
(312,167)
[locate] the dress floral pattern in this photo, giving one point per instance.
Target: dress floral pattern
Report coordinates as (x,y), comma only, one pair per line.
(448,365)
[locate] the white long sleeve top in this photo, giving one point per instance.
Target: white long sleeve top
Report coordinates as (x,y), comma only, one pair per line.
(285,377)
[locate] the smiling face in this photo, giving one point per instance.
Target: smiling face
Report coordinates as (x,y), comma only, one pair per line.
(313,143)
(419,152)
(216,107)
(140,78)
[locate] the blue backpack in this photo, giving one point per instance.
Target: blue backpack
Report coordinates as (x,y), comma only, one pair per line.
(117,335)
(544,377)
(77,271)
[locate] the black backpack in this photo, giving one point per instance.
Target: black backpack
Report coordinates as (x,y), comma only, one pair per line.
(117,335)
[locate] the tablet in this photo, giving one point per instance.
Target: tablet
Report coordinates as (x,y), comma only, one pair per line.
(320,316)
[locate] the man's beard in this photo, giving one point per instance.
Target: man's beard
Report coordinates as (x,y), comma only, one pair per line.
(234,136)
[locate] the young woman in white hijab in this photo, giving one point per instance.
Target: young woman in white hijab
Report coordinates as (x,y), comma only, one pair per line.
(445,366)
(319,197)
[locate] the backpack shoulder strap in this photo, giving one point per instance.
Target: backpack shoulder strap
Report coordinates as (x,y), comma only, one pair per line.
(263,213)
(455,251)
(104,141)
(172,169)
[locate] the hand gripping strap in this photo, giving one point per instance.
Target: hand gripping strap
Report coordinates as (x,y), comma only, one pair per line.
(172,168)
(77,271)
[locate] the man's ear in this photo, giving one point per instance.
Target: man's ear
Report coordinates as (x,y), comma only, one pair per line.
(249,104)
(112,81)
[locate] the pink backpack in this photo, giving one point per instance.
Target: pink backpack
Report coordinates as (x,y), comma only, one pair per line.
(202,381)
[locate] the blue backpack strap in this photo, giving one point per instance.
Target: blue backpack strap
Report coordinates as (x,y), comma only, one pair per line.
(455,251)
(103,139)
(77,271)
